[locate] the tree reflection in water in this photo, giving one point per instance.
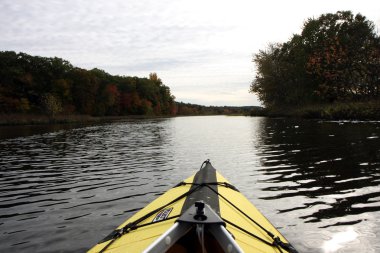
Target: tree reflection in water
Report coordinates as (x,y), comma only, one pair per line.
(336,165)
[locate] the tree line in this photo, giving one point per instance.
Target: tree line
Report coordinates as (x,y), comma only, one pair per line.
(40,85)
(33,84)
(336,58)
(188,109)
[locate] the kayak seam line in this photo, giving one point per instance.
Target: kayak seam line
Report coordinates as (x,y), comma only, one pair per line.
(224,184)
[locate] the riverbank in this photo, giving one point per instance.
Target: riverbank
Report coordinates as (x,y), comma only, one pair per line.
(40,119)
(337,111)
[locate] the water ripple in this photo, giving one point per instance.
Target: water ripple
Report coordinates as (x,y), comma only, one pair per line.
(312,179)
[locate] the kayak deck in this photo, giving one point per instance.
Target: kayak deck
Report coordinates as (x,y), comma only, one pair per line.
(249,228)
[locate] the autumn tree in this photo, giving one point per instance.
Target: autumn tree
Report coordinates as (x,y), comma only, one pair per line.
(52,104)
(335,58)
(39,85)
(342,49)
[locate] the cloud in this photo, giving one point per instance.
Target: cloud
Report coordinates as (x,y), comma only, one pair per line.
(199,44)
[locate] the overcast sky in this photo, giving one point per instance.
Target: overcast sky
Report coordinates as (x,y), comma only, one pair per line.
(201,49)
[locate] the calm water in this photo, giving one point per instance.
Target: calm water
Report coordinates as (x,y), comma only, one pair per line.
(318,182)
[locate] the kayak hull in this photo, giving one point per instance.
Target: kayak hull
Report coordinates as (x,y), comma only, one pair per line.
(251,230)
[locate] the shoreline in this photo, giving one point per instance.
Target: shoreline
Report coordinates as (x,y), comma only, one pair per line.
(40,119)
(363,111)
(19,119)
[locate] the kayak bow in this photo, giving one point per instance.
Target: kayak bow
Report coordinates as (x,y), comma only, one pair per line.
(204,213)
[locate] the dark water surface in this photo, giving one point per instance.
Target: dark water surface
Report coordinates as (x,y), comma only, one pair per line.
(318,182)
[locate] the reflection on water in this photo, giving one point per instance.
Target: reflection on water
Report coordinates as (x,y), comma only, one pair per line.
(340,164)
(339,240)
(66,184)
(326,173)
(317,181)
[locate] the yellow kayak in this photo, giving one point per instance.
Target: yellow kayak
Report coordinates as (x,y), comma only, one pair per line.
(204,213)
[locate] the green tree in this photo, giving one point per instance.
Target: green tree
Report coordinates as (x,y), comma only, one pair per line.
(268,81)
(85,88)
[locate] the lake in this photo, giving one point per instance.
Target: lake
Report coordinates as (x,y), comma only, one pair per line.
(64,188)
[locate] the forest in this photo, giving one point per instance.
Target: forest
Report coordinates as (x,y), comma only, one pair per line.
(31,86)
(330,70)
(40,85)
